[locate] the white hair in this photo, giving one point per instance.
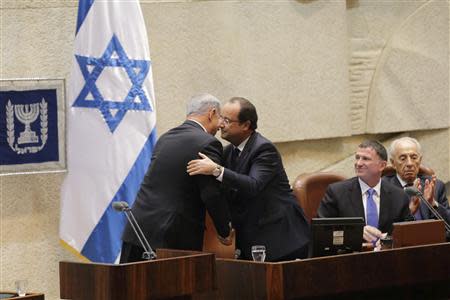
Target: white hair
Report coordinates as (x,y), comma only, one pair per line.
(202,103)
(394,144)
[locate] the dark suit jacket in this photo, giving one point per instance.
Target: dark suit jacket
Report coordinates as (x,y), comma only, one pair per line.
(170,205)
(344,199)
(440,194)
(264,209)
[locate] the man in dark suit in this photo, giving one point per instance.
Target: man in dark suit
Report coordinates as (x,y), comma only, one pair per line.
(379,203)
(264,209)
(406,157)
(170,205)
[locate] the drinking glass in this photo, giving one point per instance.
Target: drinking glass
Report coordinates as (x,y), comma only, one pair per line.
(21,287)
(386,242)
(259,253)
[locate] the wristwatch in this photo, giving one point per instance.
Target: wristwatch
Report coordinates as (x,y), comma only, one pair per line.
(217,171)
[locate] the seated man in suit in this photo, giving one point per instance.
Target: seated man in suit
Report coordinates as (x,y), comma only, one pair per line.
(406,157)
(264,209)
(380,203)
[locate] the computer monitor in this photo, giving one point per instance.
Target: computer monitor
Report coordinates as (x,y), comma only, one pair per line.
(332,236)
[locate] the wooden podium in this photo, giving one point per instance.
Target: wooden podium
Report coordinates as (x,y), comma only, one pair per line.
(176,274)
(419,272)
(415,233)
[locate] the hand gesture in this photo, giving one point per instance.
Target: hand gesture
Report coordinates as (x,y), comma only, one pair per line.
(429,189)
(204,166)
(229,239)
(414,203)
(371,234)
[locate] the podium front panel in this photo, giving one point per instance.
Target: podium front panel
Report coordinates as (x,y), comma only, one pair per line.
(386,274)
(163,278)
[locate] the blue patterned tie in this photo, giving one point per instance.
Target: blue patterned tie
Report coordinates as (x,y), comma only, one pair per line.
(372,213)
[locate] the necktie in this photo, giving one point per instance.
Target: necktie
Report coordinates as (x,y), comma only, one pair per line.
(234,158)
(372,213)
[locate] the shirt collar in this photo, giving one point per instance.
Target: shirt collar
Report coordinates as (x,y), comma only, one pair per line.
(402,182)
(203,127)
(242,145)
(365,187)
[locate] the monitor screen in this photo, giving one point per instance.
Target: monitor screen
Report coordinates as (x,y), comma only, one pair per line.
(332,236)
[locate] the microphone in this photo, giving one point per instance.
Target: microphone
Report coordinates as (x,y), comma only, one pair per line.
(413,191)
(122,206)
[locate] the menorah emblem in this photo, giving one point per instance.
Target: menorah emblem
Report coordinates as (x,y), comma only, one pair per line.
(27,114)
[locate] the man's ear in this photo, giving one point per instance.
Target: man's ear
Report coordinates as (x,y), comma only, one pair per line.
(383,164)
(247,124)
(211,114)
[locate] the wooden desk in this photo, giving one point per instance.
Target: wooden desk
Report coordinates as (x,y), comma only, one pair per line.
(29,296)
(419,272)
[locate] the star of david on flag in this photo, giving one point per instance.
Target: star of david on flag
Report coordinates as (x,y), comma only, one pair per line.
(115,57)
(110,126)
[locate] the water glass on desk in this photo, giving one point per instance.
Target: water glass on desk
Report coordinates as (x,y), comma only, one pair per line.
(21,287)
(259,253)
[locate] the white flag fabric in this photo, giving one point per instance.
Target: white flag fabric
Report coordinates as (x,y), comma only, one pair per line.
(110,125)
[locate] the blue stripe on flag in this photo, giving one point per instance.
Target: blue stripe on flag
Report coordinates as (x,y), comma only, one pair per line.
(83,9)
(104,243)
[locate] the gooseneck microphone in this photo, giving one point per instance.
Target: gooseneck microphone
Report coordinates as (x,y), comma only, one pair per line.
(122,206)
(413,191)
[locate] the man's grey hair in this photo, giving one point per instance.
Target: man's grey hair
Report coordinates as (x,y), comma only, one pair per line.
(394,144)
(200,104)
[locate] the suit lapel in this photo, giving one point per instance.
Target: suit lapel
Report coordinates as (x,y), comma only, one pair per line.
(385,205)
(356,199)
(395,181)
(227,155)
(243,157)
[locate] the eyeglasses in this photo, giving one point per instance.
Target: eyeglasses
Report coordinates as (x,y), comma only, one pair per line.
(227,121)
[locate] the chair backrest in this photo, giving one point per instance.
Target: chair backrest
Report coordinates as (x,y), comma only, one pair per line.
(310,189)
(211,242)
(389,170)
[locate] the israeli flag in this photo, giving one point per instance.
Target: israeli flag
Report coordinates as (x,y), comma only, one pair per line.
(110,125)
